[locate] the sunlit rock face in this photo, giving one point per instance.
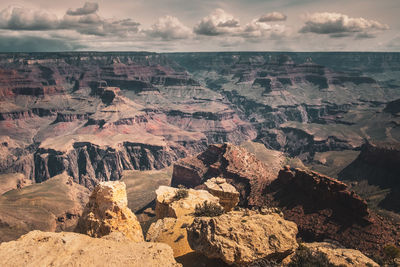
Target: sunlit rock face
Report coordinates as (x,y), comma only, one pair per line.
(107,212)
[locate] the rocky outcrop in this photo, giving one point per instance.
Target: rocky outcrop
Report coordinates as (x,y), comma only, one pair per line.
(340,256)
(379,164)
(54,205)
(172,231)
(329,192)
(324,208)
(60,249)
(227,194)
(242,237)
(239,167)
(107,212)
(393,107)
(169,205)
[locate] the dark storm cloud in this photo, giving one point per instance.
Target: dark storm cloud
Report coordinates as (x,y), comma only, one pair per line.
(339,25)
(36,44)
(273,16)
(16,18)
(88,8)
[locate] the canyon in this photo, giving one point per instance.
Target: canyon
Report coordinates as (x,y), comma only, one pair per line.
(69,121)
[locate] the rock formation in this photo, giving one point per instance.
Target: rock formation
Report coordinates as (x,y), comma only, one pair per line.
(227,194)
(340,256)
(107,212)
(54,205)
(239,167)
(241,237)
(71,249)
(172,231)
(379,164)
(324,208)
(168,205)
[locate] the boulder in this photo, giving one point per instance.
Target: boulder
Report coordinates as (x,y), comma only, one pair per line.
(107,212)
(227,194)
(338,255)
(172,231)
(71,249)
(168,205)
(242,237)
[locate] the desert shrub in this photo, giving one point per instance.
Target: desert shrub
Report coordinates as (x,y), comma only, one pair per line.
(305,258)
(208,209)
(181,193)
(391,253)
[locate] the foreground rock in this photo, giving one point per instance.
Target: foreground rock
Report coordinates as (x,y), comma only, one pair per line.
(70,249)
(340,256)
(172,231)
(227,194)
(239,167)
(168,205)
(107,212)
(242,237)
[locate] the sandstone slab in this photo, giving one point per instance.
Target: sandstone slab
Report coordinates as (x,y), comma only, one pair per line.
(172,231)
(167,205)
(227,194)
(71,249)
(242,237)
(338,255)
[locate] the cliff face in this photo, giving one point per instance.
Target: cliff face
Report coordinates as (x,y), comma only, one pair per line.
(324,208)
(239,167)
(94,115)
(378,164)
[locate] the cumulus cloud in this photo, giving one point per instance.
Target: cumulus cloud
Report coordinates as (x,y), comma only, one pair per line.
(169,28)
(88,8)
(339,25)
(273,16)
(16,18)
(220,23)
(217,23)
(256,29)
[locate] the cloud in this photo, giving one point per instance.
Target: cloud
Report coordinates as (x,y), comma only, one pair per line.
(256,29)
(88,8)
(217,23)
(16,18)
(36,44)
(273,16)
(338,25)
(169,28)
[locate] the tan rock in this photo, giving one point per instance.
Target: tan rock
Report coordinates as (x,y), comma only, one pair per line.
(338,255)
(242,237)
(227,194)
(173,232)
(168,206)
(107,212)
(71,249)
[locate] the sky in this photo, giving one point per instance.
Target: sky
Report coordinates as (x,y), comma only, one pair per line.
(189,25)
